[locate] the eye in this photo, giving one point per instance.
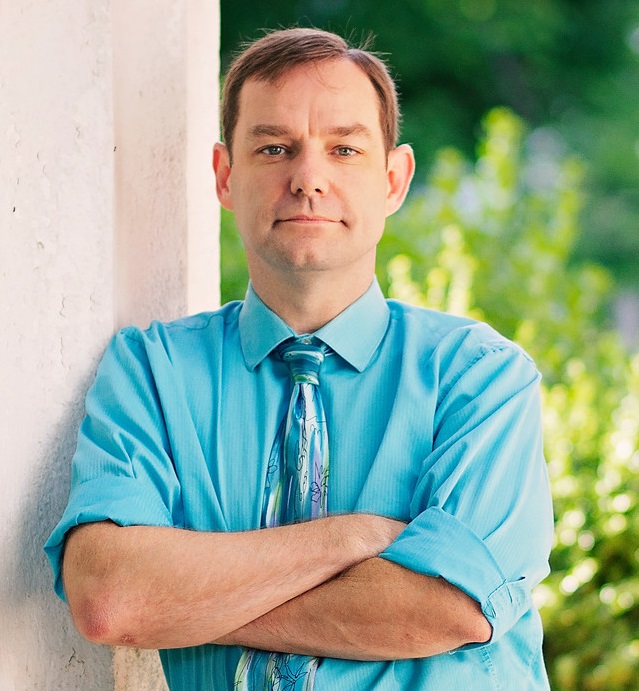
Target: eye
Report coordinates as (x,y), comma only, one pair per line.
(346,151)
(273,150)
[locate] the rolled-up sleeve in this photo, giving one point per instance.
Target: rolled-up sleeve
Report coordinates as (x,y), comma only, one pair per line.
(481,513)
(122,468)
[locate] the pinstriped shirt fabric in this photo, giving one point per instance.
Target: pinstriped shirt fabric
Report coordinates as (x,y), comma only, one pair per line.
(434,420)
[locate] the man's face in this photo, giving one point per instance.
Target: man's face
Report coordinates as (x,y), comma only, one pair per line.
(310,185)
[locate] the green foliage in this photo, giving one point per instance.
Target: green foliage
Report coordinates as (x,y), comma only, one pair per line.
(492,239)
(232,260)
(572,65)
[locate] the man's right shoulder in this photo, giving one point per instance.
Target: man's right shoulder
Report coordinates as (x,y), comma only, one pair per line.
(178,342)
(182,327)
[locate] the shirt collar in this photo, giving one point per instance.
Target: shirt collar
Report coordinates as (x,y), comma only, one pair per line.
(354,334)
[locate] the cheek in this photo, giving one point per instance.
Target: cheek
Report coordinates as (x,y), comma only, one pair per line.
(253,211)
(261,190)
(370,201)
(367,189)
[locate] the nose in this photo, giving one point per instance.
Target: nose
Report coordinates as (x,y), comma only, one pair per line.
(309,176)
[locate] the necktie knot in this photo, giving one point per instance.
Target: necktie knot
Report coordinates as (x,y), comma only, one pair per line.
(304,356)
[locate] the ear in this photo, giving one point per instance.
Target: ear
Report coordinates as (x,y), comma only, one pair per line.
(399,173)
(222,169)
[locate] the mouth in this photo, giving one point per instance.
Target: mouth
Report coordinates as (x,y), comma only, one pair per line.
(306,219)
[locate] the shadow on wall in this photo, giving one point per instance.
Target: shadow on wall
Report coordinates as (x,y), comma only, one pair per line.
(35,616)
(40,625)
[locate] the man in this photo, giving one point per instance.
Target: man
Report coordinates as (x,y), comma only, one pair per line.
(410,566)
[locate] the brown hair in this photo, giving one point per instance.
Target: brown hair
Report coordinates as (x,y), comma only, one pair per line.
(271,56)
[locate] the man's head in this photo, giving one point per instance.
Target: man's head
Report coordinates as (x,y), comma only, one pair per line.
(314,170)
(272,56)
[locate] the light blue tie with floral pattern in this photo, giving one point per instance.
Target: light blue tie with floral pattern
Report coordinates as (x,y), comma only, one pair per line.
(296,490)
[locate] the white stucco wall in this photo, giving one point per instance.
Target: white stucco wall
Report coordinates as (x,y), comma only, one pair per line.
(108,111)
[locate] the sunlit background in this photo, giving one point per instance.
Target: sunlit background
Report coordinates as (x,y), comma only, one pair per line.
(525,213)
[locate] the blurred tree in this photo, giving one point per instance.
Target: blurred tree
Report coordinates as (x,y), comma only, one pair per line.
(492,240)
(234,273)
(568,65)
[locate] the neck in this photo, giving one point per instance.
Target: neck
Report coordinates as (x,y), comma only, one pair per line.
(309,301)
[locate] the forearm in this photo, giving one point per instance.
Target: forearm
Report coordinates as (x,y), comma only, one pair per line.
(163,587)
(375,610)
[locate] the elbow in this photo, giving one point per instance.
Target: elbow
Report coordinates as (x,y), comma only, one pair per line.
(92,624)
(469,625)
(97,599)
(480,630)
(467,621)
(96,618)
(99,612)
(474,627)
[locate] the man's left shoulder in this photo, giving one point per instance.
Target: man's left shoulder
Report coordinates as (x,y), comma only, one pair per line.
(443,332)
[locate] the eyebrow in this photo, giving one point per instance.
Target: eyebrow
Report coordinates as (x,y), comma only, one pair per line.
(356,129)
(258,131)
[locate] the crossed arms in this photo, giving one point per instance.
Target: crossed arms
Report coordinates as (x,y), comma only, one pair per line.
(321,587)
(315,588)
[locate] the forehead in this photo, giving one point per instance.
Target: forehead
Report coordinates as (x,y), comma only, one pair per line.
(331,93)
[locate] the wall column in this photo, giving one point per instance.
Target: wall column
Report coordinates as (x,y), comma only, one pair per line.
(108,112)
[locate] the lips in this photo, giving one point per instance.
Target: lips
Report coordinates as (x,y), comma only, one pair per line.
(303,218)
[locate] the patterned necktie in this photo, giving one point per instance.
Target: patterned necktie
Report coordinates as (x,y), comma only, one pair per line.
(296,490)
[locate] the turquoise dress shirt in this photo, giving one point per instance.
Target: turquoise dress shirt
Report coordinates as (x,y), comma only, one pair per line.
(433,420)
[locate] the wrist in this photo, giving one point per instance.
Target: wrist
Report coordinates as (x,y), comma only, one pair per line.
(363,535)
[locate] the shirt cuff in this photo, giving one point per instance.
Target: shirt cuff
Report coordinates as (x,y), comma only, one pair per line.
(437,544)
(119,501)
